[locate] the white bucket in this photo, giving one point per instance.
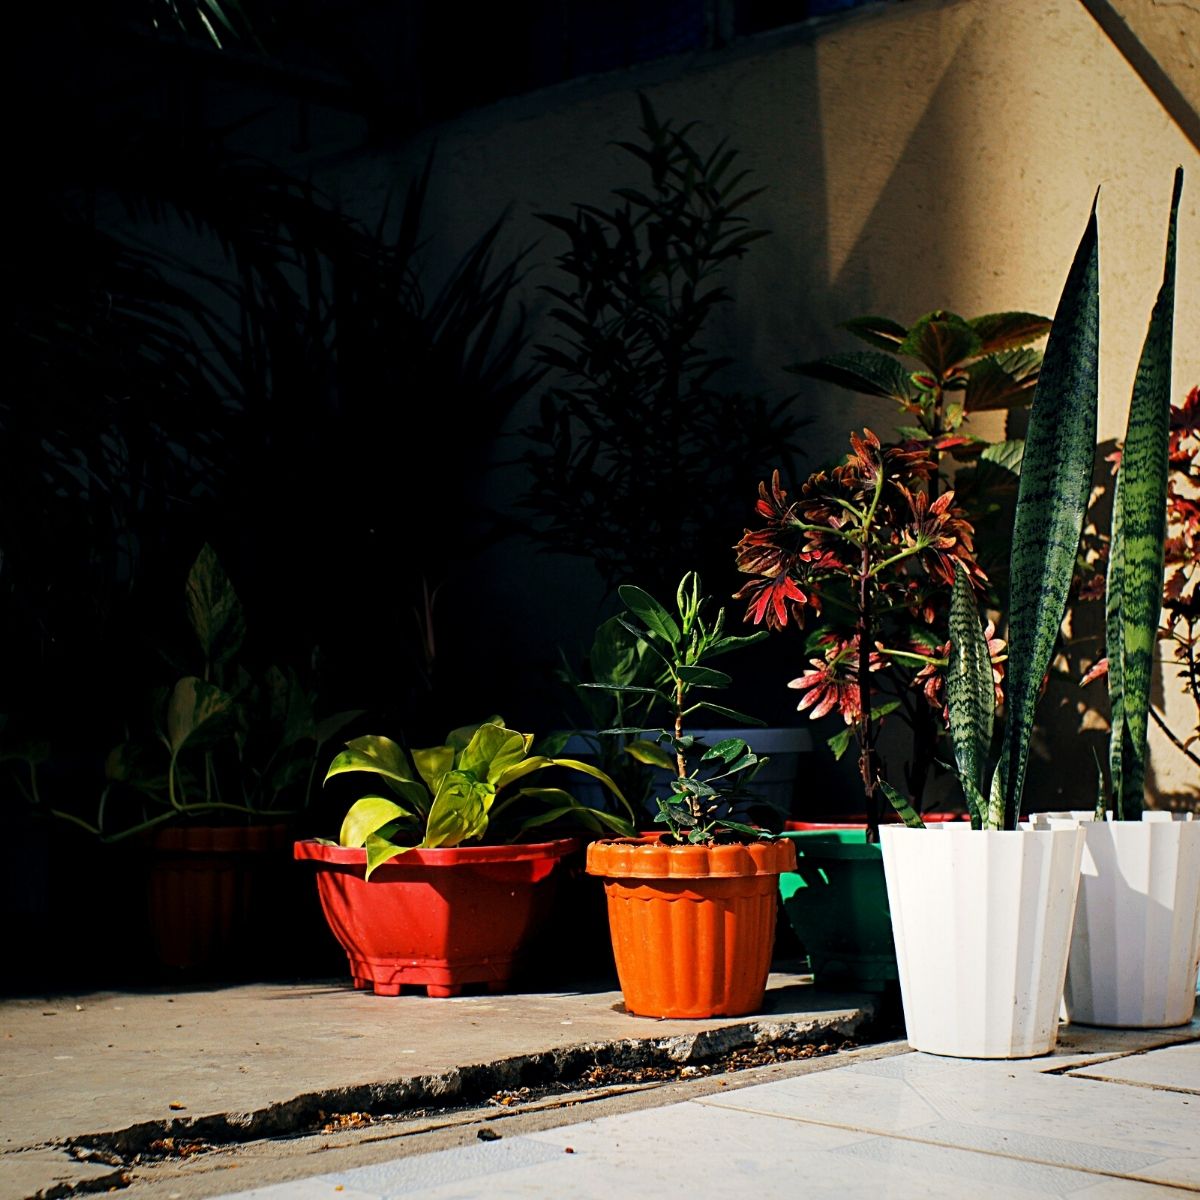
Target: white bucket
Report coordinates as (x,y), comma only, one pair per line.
(982,922)
(1136,946)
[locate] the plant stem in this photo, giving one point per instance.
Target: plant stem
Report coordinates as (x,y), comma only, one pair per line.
(1162,724)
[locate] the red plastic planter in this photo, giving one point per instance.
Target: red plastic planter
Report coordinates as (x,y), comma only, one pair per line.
(436,919)
(692,927)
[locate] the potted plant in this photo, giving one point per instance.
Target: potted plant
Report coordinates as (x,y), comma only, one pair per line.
(438,885)
(867,552)
(1135,948)
(997,994)
(209,781)
(691,910)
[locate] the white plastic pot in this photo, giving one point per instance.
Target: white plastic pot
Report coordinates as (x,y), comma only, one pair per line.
(1136,946)
(982,922)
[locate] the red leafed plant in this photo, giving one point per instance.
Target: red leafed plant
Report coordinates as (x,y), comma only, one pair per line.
(1179,625)
(870,551)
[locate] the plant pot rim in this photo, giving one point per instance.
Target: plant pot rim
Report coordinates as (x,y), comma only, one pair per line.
(312,850)
(638,858)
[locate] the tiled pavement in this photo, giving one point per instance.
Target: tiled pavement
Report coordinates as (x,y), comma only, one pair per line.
(1110,1114)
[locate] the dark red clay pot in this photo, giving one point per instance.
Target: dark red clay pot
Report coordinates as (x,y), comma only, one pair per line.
(435,919)
(204,889)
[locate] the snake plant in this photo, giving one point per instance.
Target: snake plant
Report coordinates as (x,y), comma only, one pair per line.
(1055,481)
(1135,567)
(1051,501)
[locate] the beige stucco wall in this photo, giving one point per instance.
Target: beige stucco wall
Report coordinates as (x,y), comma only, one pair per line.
(935,153)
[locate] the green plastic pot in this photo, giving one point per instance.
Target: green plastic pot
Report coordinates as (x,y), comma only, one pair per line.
(836,903)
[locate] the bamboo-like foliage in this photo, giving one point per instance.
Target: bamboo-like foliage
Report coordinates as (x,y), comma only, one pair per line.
(1135,572)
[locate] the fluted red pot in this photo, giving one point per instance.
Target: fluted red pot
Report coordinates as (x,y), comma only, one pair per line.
(435,919)
(693,927)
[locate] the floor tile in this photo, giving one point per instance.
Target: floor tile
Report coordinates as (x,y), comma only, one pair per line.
(1176,1067)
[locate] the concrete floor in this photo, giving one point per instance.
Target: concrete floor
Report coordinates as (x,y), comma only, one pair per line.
(166,1092)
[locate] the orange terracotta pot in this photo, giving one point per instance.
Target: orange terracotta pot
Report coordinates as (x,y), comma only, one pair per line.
(693,927)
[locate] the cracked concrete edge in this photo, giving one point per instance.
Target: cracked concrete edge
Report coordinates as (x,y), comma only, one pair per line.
(463,1085)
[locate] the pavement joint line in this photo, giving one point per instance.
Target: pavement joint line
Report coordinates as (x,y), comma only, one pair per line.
(1140,1083)
(1099,1059)
(902,1136)
(461,1086)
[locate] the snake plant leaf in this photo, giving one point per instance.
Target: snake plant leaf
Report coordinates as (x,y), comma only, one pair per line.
(199,714)
(650,753)
(1139,532)
(970,696)
(1002,380)
(1056,475)
(941,340)
(880,332)
(864,371)
(906,812)
(1113,590)
(368,816)
(214,610)
(1008,330)
(650,612)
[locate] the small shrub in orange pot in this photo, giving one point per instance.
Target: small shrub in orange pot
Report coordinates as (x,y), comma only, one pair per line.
(691,910)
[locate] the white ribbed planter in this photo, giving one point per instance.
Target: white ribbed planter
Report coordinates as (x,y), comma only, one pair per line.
(1136,946)
(982,922)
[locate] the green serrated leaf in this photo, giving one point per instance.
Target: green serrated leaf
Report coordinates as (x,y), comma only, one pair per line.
(880,332)
(1008,330)
(941,340)
(840,742)
(865,372)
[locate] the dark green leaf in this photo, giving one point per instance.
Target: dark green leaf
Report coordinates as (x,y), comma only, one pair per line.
(731,713)
(1008,330)
(650,612)
(198,715)
(704,677)
(1139,533)
(970,695)
(908,814)
(840,742)
(864,372)
(880,332)
(1001,381)
(1056,475)
(214,610)
(941,340)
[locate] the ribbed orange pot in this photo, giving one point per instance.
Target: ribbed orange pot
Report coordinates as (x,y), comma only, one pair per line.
(692,927)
